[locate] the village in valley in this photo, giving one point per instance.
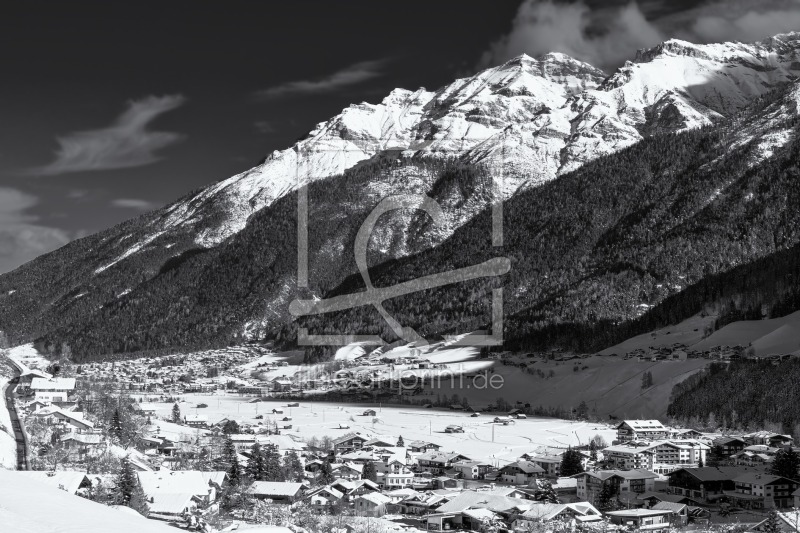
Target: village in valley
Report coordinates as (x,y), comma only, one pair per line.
(244,437)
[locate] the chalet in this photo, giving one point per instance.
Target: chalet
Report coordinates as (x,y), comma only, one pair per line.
(202,486)
(582,512)
(762,491)
(680,512)
(172,505)
(437,462)
(551,464)
(355,488)
(470,508)
(768,438)
(379,443)
(196,421)
(707,483)
(72,420)
(627,484)
(348,471)
(325,499)
(348,443)
(471,469)
(729,445)
(628,430)
(277,491)
(420,446)
(80,445)
(53,389)
(656,520)
(520,472)
(371,504)
(159,445)
(68,481)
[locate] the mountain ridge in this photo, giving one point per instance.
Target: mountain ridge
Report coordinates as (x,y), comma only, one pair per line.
(511,121)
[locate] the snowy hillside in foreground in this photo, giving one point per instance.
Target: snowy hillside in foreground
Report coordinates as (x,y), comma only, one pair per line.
(29,506)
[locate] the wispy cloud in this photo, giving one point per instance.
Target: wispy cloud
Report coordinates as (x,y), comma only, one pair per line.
(737,20)
(352,75)
(606,36)
(134,203)
(126,143)
(21,238)
(603,37)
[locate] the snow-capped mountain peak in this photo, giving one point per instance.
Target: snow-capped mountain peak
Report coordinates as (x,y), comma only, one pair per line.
(530,119)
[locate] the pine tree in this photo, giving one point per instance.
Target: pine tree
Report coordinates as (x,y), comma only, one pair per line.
(272,464)
(592,450)
(786,464)
(128,489)
(400,442)
(292,467)
(176,414)
(255,469)
(326,473)
(571,463)
(369,471)
(231,459)
(772,524)
(138,501)
(607,498)
(545,493)
(115,429)
(582,412)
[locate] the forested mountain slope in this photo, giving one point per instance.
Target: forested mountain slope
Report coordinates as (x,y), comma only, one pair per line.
(607,209)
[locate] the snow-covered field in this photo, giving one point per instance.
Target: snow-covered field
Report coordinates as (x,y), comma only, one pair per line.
(776,336)
(28,356)
(320,419)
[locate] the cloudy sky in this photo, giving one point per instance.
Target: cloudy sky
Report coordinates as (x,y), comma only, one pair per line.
(110,111)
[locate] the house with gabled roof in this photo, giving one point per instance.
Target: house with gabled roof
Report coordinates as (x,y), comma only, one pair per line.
(459,511)
(627,484)
(52,389)
(437,462)
(371,504)
(277,491)
(520,472)
(641,430)
(756,490)
(349,442)
(655,520)
(729,445)
(547,512)
(68,481)
(708,483)
(421,446)
(325,499)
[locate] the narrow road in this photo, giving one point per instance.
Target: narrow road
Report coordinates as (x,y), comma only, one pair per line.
(16,424)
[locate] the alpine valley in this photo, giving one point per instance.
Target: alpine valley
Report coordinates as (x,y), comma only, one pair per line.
(630,201)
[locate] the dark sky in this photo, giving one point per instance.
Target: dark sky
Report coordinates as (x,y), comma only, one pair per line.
(107,109)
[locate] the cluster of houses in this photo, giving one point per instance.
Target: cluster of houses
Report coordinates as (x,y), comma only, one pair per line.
(651,477)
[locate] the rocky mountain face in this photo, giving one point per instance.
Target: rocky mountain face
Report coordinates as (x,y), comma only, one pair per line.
(503,132)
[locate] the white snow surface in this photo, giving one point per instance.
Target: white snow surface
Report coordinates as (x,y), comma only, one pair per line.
(30,506)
